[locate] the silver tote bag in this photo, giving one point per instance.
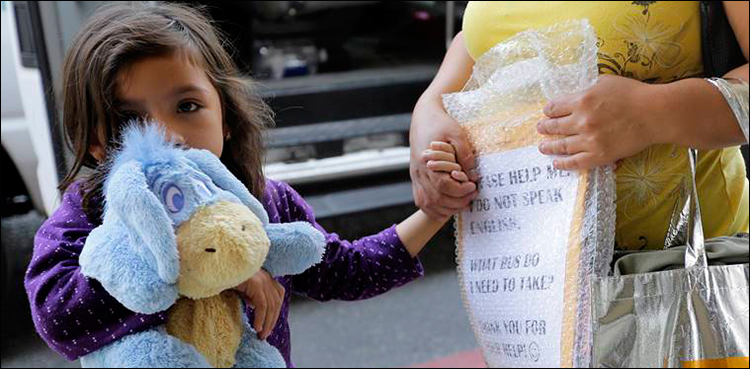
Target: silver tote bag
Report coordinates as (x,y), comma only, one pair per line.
(693,317)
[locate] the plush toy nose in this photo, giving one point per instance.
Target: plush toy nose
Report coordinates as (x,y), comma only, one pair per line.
(220,246)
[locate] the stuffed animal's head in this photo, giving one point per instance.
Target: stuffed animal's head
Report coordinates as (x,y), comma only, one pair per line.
(221,245)
(177,222)
(191,222)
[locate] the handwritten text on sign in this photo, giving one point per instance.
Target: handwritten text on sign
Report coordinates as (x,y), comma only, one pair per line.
(515,239)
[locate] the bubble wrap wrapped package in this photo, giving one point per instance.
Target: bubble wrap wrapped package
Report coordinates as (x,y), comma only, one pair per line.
(534,236)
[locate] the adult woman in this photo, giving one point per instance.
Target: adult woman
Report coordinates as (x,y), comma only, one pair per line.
(648,105)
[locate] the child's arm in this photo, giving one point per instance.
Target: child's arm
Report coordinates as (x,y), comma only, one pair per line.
(418,229)
(350,270)
(72,313)
(363,268)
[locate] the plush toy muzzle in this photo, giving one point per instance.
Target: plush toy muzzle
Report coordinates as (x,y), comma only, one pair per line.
(220,246)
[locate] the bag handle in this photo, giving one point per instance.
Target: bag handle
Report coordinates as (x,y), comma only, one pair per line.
(695,252)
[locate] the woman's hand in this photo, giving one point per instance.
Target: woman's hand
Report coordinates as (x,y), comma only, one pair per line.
(612,120)
(436,193)
(266,296)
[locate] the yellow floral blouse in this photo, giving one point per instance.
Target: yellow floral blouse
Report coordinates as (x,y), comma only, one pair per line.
(654,42)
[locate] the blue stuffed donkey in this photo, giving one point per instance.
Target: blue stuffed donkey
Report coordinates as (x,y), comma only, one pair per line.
(179,232)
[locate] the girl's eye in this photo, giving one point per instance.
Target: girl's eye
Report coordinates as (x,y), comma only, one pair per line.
(187,107)
(173,198)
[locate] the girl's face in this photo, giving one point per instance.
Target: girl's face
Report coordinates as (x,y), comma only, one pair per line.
(174,92)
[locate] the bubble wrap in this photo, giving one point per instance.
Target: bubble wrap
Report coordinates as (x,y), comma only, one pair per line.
(534,236)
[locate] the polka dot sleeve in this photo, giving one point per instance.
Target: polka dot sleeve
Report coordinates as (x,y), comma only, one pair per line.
(72,313)
(353,270)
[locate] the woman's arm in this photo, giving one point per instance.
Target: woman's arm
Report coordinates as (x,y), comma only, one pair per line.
(707,121)
(436,193)
(452,75)
(696,115)
(619,117)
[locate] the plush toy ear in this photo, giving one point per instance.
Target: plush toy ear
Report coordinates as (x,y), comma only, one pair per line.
(110,258)
(127,194)
(295,247)
(222,177)
(133,254)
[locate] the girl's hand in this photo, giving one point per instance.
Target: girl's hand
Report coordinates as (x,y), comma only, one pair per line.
(612,120)
(266,296)
(441,157)
(436,193)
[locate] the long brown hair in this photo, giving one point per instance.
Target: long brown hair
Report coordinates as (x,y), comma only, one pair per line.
(119,34)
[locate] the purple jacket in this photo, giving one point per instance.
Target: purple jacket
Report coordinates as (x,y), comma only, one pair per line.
(76,316)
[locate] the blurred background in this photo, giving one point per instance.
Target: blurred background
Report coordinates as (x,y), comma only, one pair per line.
(342,78)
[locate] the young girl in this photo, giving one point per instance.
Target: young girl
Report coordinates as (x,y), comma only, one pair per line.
(166,62)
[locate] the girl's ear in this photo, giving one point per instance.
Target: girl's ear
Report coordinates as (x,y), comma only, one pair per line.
(96,148)
(97,151)
(227,133)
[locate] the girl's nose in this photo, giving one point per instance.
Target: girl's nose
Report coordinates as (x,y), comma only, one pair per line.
(171,134)
(178,138)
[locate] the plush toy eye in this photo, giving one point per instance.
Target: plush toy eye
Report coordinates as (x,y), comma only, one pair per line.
(174,199)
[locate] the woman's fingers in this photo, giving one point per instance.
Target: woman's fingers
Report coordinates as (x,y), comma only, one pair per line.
(459,176)
(558,126)
(565,146)
(617,164)
(466,157)
(559,107)
(448,188)
(580,161)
